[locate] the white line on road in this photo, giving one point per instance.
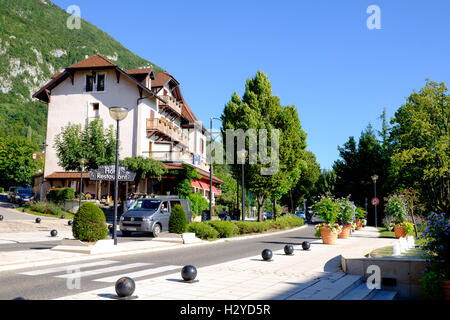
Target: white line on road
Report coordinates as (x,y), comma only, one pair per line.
(65,268)
(105,270)
(138,274)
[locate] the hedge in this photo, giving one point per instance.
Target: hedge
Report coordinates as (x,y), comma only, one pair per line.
(203,230)
(177,220)
(61,195)
(226,229)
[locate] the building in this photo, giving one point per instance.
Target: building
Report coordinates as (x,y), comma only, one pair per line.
(160,124)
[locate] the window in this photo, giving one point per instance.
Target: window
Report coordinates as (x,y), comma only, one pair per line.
(96,109)
(89,82)
(101,82)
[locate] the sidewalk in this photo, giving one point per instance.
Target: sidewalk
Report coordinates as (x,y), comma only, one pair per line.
(304,275)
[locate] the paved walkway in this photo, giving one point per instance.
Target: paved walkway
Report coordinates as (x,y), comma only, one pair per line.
(304,275)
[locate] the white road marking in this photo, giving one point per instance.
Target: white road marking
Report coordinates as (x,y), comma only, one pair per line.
(65,268)
(105,270)
(138,274)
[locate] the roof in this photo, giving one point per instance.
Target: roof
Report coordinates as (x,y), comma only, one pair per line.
(68,175)
(139,71)
(161,79)
(95,61)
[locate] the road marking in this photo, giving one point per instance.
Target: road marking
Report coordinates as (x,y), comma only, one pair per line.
(65,268)
(138,274)
(105,270)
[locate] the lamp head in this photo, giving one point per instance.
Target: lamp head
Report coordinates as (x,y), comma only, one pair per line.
(374,178)
(118,113)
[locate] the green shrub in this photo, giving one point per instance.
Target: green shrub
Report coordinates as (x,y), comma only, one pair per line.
(226,229)
(288,221)
(89,223)
(177,220)
(246,227)
(409,228)
(53,209)
(197,203)
(60,195)
(38,207)
(2,190)
(327,209)
(203,230)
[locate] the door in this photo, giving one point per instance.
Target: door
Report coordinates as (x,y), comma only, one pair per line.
(164,215)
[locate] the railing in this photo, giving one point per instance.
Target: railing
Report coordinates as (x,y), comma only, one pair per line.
(171,102)
(168,129)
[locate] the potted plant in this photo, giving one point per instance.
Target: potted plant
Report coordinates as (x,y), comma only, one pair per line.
(360,216)
(345,217)
(327,209)
(396,209)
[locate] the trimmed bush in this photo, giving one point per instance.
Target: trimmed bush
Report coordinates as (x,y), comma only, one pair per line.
(246,227)
(61,195)
(226,229)
(203,230)
(177,220)
(89,223)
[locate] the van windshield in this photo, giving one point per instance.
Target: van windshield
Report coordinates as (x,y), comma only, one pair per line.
(146,204)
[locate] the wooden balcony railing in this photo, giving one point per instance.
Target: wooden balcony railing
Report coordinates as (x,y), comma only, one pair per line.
(170,103)
(167,130)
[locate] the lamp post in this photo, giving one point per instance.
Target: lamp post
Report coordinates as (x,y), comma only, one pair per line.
(374,179)
(242,155)
(82,163)
(211,164)
(118,114)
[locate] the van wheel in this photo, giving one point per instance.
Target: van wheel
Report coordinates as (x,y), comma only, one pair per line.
(156,230)
(126,233)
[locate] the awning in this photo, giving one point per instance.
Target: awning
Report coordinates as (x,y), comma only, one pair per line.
(216,191)
(204,185)
(195,184)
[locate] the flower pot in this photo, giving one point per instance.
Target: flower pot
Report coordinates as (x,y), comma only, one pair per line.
(400,231)
(328,236)
(345,234)
(359,225)
(446,289)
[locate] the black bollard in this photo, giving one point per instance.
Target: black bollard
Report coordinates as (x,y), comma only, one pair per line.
(53,233)
(1,217)
(189,273)
(289,249)
(23,210)
(110,229)
(69,222)
(38,220)
(125,288)
(267,254)
(63,217)
(306,245)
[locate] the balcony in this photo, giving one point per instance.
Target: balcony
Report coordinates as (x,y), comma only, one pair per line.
(165,130)
(170,106)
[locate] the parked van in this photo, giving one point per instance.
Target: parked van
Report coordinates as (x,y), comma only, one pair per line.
(151,215)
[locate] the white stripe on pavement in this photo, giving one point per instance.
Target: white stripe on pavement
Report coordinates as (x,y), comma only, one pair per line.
(138,274)
(65,268)
(104,270)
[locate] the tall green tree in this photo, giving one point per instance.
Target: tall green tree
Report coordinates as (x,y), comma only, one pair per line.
(16,161)
(421,145)
(260,110)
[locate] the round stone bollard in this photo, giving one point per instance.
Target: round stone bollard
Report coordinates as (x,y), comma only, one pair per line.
(63,217)
(125,287)
(189,273)
(53,233)
(23,210)
(69,222)
(1,217)
(289,249)
(38,220)
(110,228)
(267,254)
(306,245)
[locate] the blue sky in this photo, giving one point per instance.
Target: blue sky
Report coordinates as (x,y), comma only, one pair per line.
(319,55)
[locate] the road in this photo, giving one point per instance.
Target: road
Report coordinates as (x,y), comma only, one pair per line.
(45,283)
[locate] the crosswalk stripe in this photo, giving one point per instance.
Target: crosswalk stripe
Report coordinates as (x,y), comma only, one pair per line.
(138,274)
(65,268)
(104,270)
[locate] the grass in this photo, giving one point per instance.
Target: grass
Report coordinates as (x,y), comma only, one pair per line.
(385,233)
(68,215)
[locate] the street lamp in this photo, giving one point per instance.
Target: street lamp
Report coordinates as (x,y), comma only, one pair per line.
(118,114)
(242,155)
(82,163)
(374,179)
(211,164)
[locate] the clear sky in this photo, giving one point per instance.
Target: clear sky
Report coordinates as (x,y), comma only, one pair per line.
(319,55)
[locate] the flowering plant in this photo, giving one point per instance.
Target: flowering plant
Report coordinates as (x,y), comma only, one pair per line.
(364,222)
(396,208)
(327,209)
(347,211)
(353,226)
(438,234)
(334,227)
(360,213)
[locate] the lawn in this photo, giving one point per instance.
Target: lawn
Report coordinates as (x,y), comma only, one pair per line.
(67,215)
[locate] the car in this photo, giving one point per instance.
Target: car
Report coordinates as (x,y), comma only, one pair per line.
(11,193)
(316,219)
(22,196)
(151,215)
(300,214)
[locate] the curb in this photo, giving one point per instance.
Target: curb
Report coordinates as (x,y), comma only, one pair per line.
(172,246)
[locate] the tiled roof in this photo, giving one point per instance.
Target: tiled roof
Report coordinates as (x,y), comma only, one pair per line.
(95,61)
(160,79)
(68,175)
(139,71)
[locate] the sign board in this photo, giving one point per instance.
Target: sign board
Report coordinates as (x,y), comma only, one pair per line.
(375,201)
(107,173)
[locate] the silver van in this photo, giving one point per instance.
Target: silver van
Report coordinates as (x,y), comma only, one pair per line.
(151,215)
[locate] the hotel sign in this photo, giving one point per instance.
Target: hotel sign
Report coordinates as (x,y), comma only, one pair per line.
(107,173)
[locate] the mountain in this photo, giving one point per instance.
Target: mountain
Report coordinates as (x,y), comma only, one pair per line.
(35,43)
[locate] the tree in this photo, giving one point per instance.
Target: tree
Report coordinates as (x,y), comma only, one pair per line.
(324,185)
(421,145)
(260,110)
(144,167)
(229,186)
(16,161)
(184,178)
(93,143)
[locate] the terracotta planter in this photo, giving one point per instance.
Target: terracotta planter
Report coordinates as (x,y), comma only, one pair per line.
(446,289)
(359,225)
(328,236)
(400,231)
(345,234)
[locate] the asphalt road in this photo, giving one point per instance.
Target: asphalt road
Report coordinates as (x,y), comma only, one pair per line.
(46,283)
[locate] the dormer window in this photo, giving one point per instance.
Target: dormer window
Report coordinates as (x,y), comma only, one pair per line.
(95,82)
(101,82)
(89,82)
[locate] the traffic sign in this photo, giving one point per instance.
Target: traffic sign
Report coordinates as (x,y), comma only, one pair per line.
(375,201)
